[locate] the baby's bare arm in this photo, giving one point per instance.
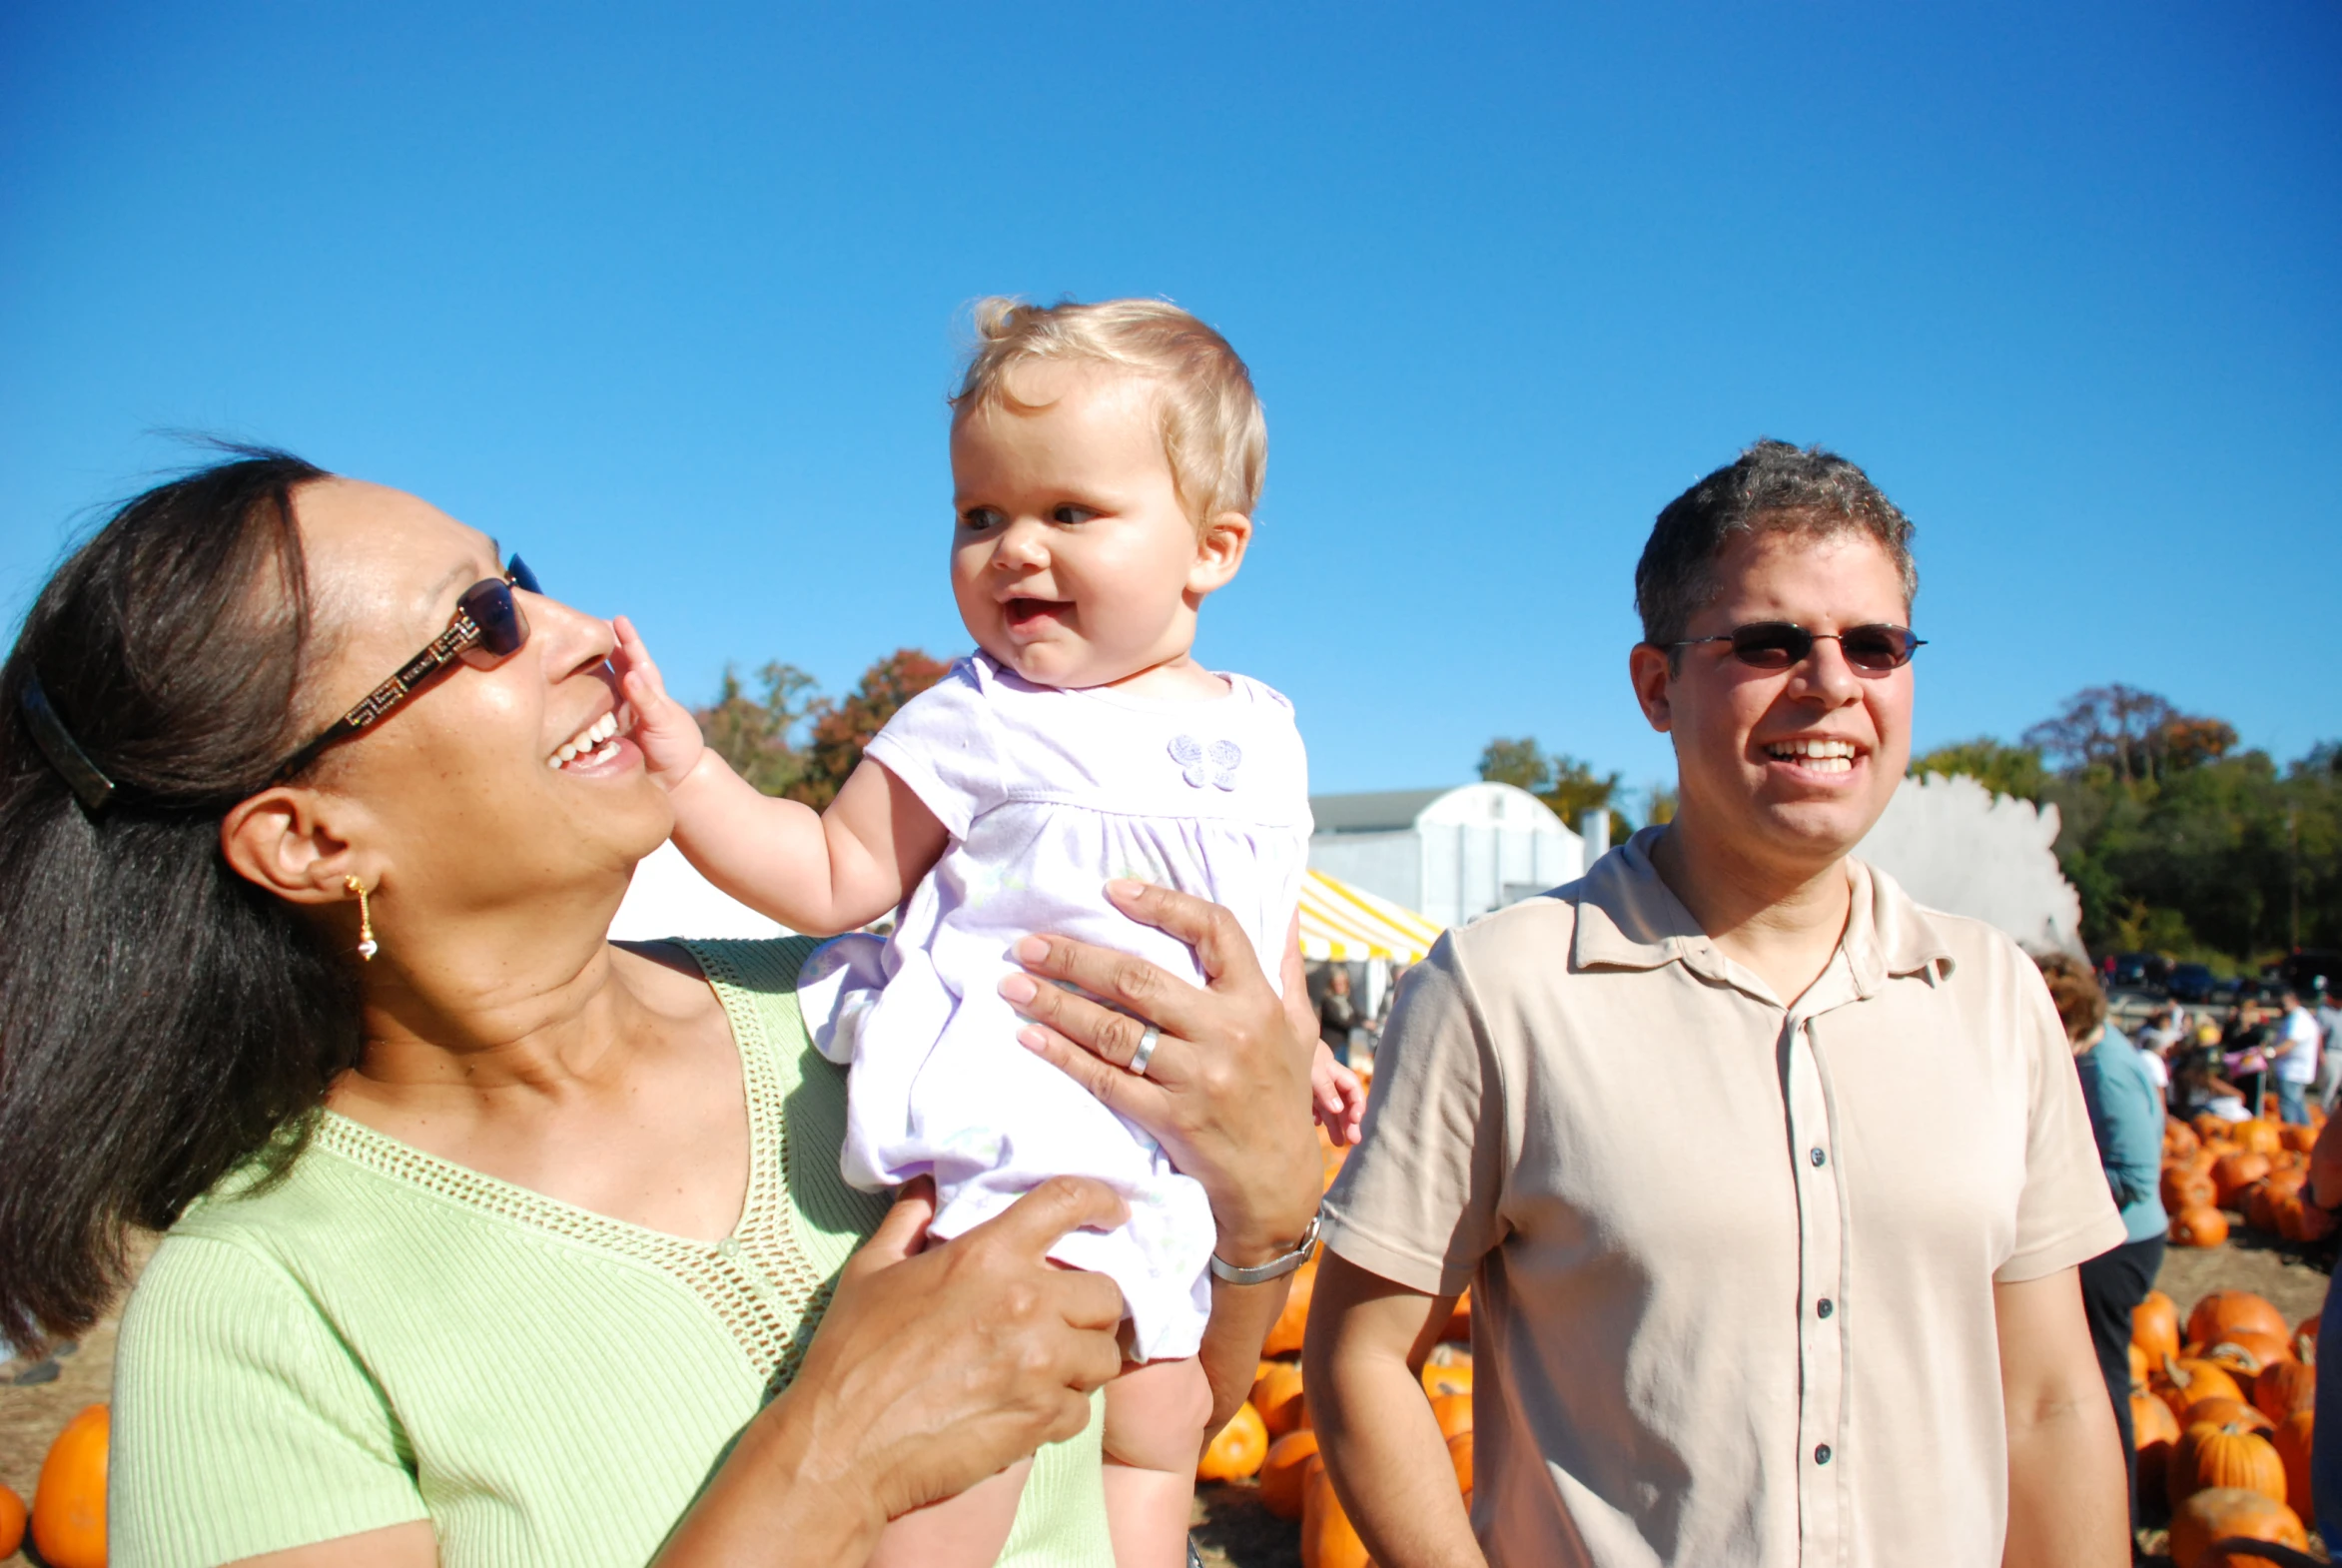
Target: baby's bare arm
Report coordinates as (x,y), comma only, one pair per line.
(816,872)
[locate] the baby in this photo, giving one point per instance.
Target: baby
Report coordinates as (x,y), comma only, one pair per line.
(1105,461)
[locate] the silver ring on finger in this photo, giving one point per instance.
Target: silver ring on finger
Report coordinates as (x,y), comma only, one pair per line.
(1145,1052)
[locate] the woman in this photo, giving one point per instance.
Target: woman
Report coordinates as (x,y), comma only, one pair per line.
(492,1243)
(2128,1122)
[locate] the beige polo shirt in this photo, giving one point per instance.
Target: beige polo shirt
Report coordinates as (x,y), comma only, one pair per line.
(1732,1261)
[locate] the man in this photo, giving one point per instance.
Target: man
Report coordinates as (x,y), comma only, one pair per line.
(1770,1186)
(2295,1051)
(2330,1026)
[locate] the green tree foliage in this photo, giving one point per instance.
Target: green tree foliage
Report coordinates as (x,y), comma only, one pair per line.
(2003,769)
(2177,841)
(758,735)
(1560,780)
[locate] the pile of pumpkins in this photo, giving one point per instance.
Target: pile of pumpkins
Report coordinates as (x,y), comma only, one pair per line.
(68,1517)
(2257,1168)
(1271,1438)
(2222,1410)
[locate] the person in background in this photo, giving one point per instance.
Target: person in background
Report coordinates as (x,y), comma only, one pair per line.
(2126,1119)
(2154,1061)
(2245,1056)
(1338,1014)
(2296,1053)
(2330,1026)
(2197,1081)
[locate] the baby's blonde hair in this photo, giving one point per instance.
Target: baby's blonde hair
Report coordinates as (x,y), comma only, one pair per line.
(1214,434)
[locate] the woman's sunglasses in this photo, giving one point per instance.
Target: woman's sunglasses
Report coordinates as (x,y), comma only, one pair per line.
(1781,645)
(488,628)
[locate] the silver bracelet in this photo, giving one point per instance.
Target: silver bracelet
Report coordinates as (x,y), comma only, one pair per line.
(1275,1268)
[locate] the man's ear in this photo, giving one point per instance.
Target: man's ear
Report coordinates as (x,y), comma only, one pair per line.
(284,841)
(1219,550)
(1650,669)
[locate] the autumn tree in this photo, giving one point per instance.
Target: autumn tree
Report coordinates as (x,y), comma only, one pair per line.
(1569,786)
(2001,768)
(2135,735)
(756,734)
(842,729)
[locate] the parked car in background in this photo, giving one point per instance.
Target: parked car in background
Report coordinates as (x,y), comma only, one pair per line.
(2139,971)
(2308,969)
(2190,983)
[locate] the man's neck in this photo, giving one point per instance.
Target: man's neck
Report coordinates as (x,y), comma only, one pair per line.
(1782,921)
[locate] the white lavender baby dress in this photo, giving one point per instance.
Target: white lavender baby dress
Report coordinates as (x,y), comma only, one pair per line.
(1047,794)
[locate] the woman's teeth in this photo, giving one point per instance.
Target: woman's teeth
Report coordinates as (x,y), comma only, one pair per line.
(595,743)
(1818,756)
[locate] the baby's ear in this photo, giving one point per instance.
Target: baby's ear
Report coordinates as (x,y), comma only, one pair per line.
(1219,550)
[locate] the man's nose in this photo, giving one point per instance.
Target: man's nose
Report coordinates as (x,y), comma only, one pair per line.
(1827,674)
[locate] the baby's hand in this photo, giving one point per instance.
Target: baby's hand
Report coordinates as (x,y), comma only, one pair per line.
(663,727)
(1336,1097)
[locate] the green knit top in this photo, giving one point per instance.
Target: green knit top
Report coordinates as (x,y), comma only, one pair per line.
(384,1336)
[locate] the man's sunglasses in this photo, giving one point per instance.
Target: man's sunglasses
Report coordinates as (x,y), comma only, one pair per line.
(488,628)
(1781,645)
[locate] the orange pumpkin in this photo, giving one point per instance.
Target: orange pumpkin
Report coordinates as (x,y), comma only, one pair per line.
(2257,1135)
(2300,1219)
(1277,1396)
(1453,1412)
(1459,1454)
(2185,1188)
(2154,1429)
(2185,1379)
(2179,1138)
(1449,1376)
(2299,1140)
(2208,1127)
(2139,1365)
(1328,1539)
(1282,1472)
(2292,1440)
(2219,1409)
(1238,1448)
(2199,1227)
(2305,1332)
(2232,1174)
(2244,1352)
(2286,1387)
(1284,1335)
(69,1503)
(2212,1456)
(2223,1513)
(2154,1327)
(2221,1311)
(12,1517)
(2261,1206)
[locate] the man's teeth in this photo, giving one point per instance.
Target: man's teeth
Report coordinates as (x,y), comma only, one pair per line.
(1820,756)
(595,743)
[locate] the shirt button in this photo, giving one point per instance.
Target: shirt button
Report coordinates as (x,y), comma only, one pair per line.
(1824,1307)
(728,1247)
(1817,1157)
(1822,1455)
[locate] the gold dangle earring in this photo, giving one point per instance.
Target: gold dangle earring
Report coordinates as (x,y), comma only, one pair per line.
(366,947)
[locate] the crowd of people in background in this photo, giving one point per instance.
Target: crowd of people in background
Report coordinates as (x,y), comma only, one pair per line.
(2227,1061)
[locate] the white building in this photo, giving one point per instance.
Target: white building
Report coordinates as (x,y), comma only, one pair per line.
(1447,854)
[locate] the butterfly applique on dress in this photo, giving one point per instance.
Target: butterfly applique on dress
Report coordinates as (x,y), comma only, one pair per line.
(1201,765)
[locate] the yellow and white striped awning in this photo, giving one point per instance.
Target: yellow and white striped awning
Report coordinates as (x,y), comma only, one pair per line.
(1344,923)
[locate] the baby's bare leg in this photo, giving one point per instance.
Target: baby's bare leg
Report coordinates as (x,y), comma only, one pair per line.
(967,1529)
(1154,1417)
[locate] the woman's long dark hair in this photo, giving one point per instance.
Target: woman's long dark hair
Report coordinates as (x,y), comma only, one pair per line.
(162,1019)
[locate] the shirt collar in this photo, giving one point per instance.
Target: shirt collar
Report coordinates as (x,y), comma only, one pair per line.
(1629,919)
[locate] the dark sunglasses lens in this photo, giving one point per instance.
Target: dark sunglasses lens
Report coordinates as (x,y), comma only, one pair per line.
(1771,645)
(503,629)
(1878,647)
(522,577)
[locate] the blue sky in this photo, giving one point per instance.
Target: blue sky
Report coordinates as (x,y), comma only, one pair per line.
(668,298)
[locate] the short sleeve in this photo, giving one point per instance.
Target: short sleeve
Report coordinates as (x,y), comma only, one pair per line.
(942,743)
(242,1423)
(1418,1201)
(2065,1213)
